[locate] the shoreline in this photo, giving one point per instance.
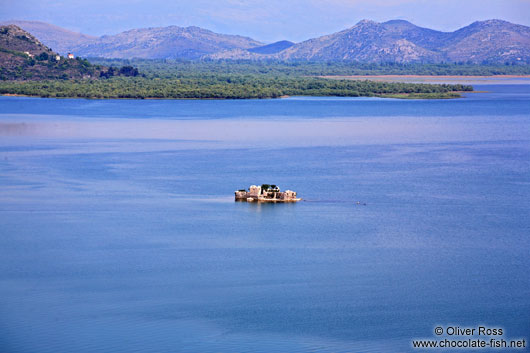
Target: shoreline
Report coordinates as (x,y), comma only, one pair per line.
(428,76)
(438,79)
(445,95)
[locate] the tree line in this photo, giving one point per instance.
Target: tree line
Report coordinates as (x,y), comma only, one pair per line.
(171,68)
(224,87)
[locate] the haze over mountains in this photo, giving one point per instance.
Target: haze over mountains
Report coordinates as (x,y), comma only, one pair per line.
(492,41)
(59,39)
(164,42)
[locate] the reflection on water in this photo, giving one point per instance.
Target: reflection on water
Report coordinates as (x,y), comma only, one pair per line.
(255,133)
(19,129)
(271,208)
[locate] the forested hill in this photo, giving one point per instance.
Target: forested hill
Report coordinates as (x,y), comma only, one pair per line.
(23,57)
(61,40)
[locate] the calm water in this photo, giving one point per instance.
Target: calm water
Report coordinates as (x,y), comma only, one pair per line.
(119,232)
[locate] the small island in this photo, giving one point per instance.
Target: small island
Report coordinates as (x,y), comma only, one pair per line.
(266,193)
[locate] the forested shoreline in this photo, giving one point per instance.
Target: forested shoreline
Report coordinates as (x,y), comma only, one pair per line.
(179,68)
(224,87)
(170,79)
(226,79)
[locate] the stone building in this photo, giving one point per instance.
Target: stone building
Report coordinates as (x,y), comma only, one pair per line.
(266,193)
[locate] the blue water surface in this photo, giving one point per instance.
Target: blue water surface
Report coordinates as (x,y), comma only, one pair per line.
(117,244)
(512,96)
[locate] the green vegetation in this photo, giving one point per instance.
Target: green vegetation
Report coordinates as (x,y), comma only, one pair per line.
(269,187)
(222,87)
(173,79)
(44,66)
(19,66)
(13,52)
(43,73)
(179,68)
(127,71)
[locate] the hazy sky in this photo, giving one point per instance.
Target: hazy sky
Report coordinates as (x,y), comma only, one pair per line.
(266,20)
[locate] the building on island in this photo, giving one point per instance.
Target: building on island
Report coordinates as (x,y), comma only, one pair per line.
(70,56)
(266,193)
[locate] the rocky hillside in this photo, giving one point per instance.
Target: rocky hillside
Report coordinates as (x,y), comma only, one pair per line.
(401,41)
(59,39)
(366,41)
(492,41)
(272,48)
(149,43)
(23,57)
(256,53)
(164,42)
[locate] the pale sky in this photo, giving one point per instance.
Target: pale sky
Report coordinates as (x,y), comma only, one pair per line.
(265,20)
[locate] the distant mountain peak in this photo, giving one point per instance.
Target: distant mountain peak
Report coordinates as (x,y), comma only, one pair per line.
(398,21)
(366,21)
(492,22)
(400,24)
(366,24)
(490,41)
(164,43)
(15,38)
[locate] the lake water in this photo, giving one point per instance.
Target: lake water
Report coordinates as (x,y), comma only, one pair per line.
(119,232)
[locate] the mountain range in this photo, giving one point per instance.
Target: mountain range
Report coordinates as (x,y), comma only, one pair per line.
(491,41)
